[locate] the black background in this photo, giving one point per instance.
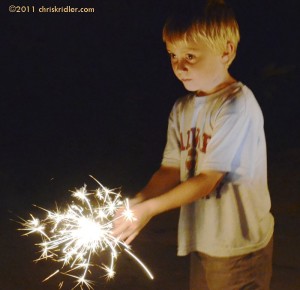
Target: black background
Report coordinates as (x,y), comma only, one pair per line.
(90,93)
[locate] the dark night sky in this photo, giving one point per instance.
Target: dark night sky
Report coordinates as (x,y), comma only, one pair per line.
(88,94)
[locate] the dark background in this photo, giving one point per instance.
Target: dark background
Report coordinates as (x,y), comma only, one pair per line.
(90,93)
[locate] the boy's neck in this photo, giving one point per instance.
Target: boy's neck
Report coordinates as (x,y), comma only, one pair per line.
(227,81)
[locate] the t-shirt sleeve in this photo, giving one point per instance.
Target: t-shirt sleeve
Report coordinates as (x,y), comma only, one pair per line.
(233,138)
(171,155)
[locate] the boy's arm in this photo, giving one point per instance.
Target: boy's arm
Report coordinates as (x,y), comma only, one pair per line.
(164,179)
(194,188)
(184,193)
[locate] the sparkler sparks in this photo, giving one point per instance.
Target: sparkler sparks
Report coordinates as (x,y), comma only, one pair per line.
(74,235)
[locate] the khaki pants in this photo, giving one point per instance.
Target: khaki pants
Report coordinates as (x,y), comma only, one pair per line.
(247,272)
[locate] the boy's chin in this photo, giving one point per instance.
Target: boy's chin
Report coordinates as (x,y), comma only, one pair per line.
(190,87)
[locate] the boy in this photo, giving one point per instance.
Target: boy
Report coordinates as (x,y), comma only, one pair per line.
(214,163)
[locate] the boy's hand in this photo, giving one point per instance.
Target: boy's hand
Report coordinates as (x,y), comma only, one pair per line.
(126,229)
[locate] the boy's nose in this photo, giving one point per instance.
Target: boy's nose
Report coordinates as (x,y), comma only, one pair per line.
(181,66)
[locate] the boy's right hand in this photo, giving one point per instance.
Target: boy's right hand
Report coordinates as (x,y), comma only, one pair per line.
(126,229)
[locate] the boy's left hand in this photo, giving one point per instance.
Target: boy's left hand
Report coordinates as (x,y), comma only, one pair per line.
(126,229)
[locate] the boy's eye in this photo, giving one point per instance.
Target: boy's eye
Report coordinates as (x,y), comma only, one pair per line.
(190,57)
(172,55)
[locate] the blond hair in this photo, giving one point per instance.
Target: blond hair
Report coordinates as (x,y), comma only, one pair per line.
(212,22)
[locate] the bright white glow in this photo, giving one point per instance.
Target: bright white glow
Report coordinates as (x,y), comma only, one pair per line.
(73,235)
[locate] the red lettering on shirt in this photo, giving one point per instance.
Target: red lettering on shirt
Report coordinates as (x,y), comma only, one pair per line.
(205,142)
(182,148)
(193,140)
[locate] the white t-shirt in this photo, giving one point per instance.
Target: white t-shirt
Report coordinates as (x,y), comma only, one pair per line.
(222,132)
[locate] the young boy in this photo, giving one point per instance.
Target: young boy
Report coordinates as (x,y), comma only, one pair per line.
(214,163)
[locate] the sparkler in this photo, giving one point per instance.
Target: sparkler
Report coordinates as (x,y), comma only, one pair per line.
(74,235)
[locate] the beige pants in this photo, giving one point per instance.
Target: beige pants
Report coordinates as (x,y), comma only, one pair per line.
(247,272)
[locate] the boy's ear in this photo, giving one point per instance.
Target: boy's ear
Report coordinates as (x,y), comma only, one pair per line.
(229,53)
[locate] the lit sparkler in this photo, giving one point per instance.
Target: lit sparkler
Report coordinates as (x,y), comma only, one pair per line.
(72,236)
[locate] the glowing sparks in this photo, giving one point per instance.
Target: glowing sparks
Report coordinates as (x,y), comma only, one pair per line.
(73,236)
(33,226)
(127,212)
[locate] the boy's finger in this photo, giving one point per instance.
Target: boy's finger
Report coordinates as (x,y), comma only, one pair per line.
(131,238)
(118,230)
(127,235)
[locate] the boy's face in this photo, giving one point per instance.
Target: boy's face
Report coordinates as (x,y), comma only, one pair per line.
(197,66)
